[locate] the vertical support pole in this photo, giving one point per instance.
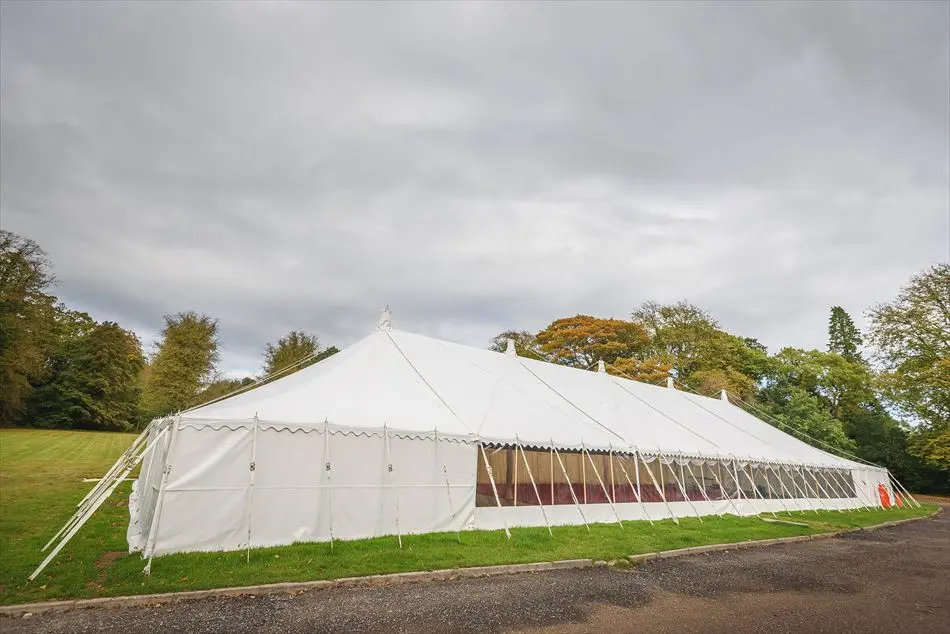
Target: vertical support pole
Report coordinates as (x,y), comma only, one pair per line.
(494,489)
(515,493)
(613,482)
(702,489)
(328,468)
(160,500)
(722,487)
(683,491)
(569,485)
(801,471)
(448,487)
(636,474)
(551,456)
(814,474)
(249,498)
(392,482)
(601,481)
(772,494)
(791,496)
(583,472)
(635,491)
(662,492)
(755,489)
(845,487)
(533,485)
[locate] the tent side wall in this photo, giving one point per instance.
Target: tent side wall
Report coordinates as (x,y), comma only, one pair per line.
(305,485)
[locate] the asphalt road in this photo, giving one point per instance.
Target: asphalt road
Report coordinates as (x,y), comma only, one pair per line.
(892,580)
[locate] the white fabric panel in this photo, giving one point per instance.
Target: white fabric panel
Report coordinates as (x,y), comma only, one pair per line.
(210,505)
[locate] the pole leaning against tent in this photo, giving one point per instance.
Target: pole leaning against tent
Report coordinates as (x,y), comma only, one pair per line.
(126,455)
(159,502)
(92,507)
(569,485)
(94,493)
(533,484)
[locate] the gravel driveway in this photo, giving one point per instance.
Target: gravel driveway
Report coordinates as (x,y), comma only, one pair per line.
(893,580)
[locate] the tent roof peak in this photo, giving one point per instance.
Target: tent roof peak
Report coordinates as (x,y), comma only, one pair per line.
(385,320)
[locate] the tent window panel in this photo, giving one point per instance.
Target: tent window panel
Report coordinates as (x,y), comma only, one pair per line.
(707,473)
(846,481)
(502,465)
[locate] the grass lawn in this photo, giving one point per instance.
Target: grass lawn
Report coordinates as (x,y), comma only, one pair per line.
(41,476)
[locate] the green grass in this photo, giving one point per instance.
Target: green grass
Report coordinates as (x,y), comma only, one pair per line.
(41,481)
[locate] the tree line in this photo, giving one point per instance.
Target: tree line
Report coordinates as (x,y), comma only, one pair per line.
(882,395)
(61,368)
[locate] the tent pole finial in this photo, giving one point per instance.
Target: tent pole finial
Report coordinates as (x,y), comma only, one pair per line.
(385,320)
(669,383)
(510,348)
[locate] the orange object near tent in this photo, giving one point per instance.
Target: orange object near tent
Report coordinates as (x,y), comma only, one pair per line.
(885,498)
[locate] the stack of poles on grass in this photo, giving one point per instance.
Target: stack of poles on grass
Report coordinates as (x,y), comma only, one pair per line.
(835,482)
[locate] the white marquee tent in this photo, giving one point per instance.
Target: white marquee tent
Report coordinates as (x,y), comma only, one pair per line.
(401,434)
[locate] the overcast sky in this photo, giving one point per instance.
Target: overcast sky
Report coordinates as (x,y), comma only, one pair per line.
(476,166)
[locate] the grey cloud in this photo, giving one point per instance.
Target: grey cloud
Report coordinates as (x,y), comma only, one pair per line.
(477,166)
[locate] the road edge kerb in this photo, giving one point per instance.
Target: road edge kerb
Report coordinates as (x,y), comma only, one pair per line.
(400,578)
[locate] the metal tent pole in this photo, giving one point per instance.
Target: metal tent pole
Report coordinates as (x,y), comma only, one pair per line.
(392,482)
(160,501)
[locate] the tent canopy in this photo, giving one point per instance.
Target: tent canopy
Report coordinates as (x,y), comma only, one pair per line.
(416,385)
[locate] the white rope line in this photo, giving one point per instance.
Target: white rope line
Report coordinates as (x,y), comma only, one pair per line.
(427,384)
(571,403)
(784,424)
(256,383)
(664,414)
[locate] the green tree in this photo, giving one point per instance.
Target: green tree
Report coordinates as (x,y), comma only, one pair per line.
(702,355)
(183,364)
(26,319)
(806,418)
(96,386)
(844,337)
(911,336)
(292,348)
